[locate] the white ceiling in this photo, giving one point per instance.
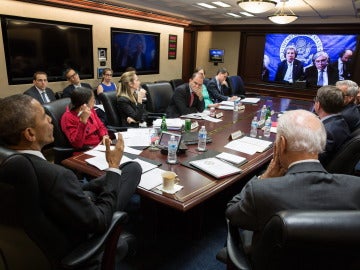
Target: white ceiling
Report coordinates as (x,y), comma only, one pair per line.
(309,11)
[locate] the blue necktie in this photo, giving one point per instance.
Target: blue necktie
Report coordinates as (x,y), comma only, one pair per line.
(321,78)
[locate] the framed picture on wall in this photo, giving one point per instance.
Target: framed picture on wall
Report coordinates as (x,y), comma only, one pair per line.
(100,72)
(102,54)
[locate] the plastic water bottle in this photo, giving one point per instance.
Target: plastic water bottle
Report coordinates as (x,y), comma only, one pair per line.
(267,127)
(202,139)
(172,147)
(254,124)
(263,113)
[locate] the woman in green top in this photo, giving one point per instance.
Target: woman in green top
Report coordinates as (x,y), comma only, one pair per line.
(208,102)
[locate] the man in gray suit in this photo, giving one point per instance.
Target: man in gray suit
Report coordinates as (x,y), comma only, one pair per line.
(39,90)
(294,179)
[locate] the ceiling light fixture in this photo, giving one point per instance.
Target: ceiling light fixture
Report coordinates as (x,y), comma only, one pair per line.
(221,4)
(280,17)
(205,5)
(256,6)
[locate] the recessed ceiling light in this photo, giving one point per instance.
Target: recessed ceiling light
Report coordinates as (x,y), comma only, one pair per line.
(205,5)
(234,15)
(221,4)
(247,14)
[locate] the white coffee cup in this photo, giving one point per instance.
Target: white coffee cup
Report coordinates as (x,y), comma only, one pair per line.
(169,180)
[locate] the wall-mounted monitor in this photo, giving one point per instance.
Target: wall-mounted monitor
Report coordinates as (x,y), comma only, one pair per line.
(216,55)
(37,45)
(307,48)
(137,49)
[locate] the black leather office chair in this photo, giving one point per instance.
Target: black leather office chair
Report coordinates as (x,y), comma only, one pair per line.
(62,147)
(301,239)
(58,94)
(26,231)
(346,158)
(108,100)
(237,86)
(158,96)
(176,82)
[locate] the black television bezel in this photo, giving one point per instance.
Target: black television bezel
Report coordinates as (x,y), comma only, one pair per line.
(51,78)
(117,71)
(215,61)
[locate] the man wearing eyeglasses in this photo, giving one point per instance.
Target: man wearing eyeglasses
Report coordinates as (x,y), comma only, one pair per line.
(74,79)
(39,90)
(187,97)
(321,73)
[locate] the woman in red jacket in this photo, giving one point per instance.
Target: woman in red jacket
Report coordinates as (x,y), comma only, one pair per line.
(80,122)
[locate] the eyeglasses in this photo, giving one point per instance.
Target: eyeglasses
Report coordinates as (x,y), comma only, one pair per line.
(108,74)
(72,76)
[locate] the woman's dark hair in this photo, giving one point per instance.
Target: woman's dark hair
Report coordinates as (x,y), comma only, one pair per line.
(80,96)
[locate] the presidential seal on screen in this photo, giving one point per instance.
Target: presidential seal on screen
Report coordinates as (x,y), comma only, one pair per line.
(306,46)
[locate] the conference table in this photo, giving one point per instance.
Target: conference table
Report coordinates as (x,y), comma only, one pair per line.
(198,186)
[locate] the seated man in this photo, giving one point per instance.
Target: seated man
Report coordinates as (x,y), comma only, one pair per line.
(328,105)
(350,111)
(294,179)
(26,128)
(187,97)
(291,69)
(73,77)
(217,87)
(39,90)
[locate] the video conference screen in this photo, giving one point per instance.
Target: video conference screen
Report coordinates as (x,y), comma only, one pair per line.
(139,50)
(309,50)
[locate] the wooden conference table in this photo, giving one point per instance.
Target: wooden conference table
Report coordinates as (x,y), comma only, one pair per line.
(199,186)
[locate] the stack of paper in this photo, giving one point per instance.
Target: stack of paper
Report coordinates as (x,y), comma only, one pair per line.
(250,100)
(172,123)
(237,160)
(249,145)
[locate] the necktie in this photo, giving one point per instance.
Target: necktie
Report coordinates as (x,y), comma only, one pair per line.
(43,95)
(321,78)
(191,98)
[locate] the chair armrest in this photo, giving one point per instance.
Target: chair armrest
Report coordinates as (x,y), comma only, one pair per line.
(235,251)
(95,244)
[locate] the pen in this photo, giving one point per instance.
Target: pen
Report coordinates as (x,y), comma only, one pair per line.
(79,114)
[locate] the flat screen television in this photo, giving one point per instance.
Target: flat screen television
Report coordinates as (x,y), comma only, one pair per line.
(39,45)
(307,45)
(137,49)
(216,55)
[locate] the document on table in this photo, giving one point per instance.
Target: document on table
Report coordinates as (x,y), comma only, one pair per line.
(172,123)
(250,100)
(151,179)
(215,167)
(102,148)
(226,108)
(249,145)
(136,137)
(237,160)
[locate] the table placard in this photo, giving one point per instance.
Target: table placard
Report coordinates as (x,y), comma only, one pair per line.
(236,135)
(219,115)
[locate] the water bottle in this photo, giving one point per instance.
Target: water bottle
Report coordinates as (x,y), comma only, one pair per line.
(267,127)
(254,124)
(172,147)
(202,139)
(263,113)
(236,106)
(163,126)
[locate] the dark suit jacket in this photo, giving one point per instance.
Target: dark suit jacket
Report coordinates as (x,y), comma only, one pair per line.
(337,133)
(346,69)
(69,207)
(351,115)
(216,94)
(33,92)
(311,76)
(126,109)
(179,104)
(298,70)
(304,186)
(70,88)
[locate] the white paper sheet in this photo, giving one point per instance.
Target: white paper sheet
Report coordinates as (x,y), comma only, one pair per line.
(249,145)
(250,100)
(151,179)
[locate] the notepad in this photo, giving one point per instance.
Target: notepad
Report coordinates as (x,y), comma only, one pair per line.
(237,160)
(215,167)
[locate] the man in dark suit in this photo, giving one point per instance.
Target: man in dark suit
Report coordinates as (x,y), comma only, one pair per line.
(218,86)
(39,90)
(73,77)
(187,97)
(350,111)
(343,64)
(291,69)
(328,105)
(294,179)
(78,211)
(321,73)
